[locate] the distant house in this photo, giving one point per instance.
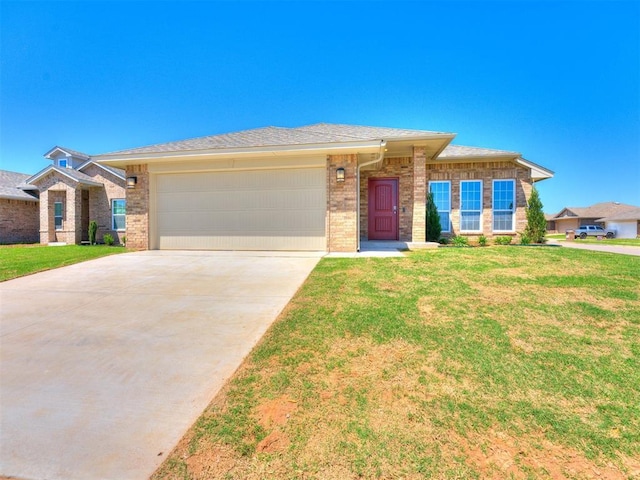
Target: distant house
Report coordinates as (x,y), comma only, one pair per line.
(18,210)
(626,224)
(73,191)
(570,218)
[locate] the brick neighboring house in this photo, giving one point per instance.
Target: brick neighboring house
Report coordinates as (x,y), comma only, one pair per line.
(570,218)
(319,187)
(73,191)
(18,210)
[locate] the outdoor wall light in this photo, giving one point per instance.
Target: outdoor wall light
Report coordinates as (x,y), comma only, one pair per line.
(131,182)
(340,175)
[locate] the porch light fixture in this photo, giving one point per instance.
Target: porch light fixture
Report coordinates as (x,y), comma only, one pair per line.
(131,182)
(340,174)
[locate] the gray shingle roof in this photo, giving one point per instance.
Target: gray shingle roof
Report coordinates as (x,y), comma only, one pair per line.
(631,214)
(453,151)
(598,210)
(69,172)
(116,171)
(279,136)
(9,182)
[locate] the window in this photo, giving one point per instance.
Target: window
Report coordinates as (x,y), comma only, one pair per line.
(62,163)
(57,215)
(503,205)
(441,192)
(470,205)
(118,211)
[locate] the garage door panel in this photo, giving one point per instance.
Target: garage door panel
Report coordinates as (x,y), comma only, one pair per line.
(249,210)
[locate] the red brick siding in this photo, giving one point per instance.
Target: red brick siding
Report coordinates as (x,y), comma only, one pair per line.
(19,221)
(487,172)
(342,228)
(138,209)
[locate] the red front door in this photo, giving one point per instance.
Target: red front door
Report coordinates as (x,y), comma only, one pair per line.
(383,209)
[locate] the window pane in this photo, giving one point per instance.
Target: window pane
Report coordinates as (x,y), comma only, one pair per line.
(503,195)
(118,222)
(119,207)
(469,220)
(502,221)
(470,195)
(57,209)
(444,221)
(440,192)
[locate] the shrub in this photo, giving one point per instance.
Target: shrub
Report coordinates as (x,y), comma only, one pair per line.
(443,241)
(107,238)
(459,241)
(503,240)
(93,229)
(536,223)
(525,239)
(124,240)
(482,241)
(434,229)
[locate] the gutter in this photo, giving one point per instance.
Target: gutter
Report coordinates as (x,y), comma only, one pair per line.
(379,158)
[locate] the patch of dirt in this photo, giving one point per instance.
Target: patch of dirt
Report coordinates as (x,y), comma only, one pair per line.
(276,412)
(497,455)
(213,462)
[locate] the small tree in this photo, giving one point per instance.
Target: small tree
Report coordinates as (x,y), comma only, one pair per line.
(93,229)
(536,223)
(433,220)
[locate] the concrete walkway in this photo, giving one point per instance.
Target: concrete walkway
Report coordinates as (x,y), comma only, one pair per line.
(105,364)
(622,249)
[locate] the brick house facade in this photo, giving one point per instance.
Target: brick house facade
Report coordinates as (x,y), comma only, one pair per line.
(176,199)
(18,210)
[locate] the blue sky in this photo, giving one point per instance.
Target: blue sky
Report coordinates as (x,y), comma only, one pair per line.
(557,81)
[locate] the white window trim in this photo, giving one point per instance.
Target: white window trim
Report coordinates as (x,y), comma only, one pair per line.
(113,215)
(448,229)
(513,202)
(61,216)
(479,230)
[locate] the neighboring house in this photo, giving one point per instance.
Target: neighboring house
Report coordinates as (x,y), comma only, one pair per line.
(626,224)
(73,191)
(319,187)
(18,210)
(570,218)
(551,222)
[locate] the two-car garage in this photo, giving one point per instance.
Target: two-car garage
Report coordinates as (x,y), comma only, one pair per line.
(273,209)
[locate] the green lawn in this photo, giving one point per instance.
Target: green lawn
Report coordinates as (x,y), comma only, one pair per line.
(19,260)
(635,242)
(450,363)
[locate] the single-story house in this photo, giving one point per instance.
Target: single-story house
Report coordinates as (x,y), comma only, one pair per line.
(626,224)
(74,190)
(19,216)
(319,187)
(571,218)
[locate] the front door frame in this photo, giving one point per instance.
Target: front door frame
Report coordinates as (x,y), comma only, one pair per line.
(395,193)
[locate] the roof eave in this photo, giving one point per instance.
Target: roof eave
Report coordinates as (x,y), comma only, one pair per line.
(90,162)
(18,197)
(52,168)
(280,150)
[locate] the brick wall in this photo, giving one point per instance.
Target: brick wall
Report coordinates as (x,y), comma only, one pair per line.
(100,200)
(138,208)
(19,221)
(56,188)
(487,172)
(342,219)
(402,169)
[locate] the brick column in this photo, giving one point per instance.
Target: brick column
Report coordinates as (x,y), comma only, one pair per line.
(137,219)
(419,227)
(342,200)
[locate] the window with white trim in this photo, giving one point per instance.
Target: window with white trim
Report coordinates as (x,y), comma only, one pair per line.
(57,215)
(470,205)
(62,163)
(441,193)
(118,214)
(504,203)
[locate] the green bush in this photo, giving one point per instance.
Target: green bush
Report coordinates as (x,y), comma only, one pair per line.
(503,240)
(107,238)
(443,241)
(482,241)
(124,240)
(459,241)
(536,223)
(525,239)
(93,229)
(433,220)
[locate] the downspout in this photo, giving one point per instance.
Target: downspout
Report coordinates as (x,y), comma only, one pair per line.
(378,158)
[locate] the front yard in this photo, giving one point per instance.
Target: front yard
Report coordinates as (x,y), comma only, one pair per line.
(19,260)
(453,363)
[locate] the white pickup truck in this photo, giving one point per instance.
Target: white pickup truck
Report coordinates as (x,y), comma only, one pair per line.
(593,231)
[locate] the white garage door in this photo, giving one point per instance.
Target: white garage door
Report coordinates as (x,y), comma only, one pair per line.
(624,229)
(242,210)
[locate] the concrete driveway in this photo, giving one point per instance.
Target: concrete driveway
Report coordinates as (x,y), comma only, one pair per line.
(621,249)
(104,365)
